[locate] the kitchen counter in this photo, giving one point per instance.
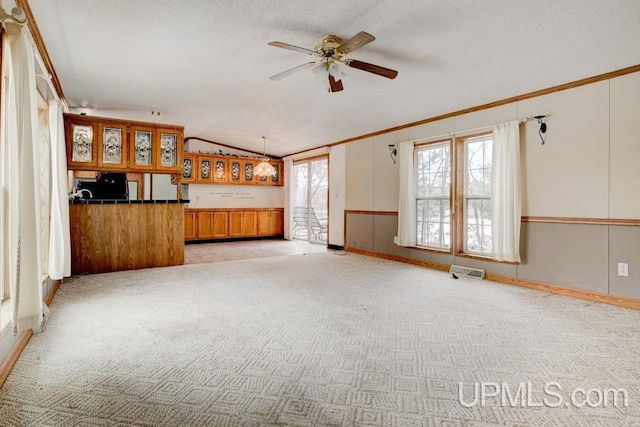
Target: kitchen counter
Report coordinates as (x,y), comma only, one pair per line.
(115,235)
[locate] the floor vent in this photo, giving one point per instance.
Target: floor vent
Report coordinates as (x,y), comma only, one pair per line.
(459,270)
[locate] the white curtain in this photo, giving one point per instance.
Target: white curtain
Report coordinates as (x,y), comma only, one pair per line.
(59,239)
(27,304)
(506,197)
(407,201)
(288,197)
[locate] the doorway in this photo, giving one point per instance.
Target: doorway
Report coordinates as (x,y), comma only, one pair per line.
(311,200)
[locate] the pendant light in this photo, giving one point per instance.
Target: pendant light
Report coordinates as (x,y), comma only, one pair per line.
(264,168)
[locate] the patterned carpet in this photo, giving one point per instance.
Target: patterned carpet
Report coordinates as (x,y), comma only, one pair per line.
(317,340)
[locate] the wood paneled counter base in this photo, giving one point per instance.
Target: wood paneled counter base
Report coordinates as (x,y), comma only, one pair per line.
(115,237)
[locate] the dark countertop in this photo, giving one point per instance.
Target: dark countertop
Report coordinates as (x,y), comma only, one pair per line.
(123,202)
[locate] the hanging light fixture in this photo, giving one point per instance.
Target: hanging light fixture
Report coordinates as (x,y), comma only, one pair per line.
(264,168)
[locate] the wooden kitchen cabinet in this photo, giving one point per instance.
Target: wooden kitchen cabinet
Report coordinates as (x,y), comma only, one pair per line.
(82,146)
(106,144)
(242,223)
(113,152)
(190,226)
(212,225)
(270,223)
(232,223)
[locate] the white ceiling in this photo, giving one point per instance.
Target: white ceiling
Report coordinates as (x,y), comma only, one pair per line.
(205,64)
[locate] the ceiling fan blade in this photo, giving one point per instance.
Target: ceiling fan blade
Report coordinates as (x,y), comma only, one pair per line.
(284,74)
(375,69)
(355,42)
(292,47)
(335,86)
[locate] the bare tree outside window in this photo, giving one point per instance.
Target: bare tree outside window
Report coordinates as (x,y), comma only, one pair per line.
(433,184)
(477,195)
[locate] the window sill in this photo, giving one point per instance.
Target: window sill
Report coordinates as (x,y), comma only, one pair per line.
(5,316)
(483,258)
(435,250)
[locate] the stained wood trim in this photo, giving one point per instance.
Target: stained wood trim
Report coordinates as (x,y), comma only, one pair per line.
(569,292)
(631,303)
(37,38)
(14,354)
(590,221)
(428,264)
(111,120)
(52,292)
(195,210)
(232,147)
(366,212)
(547,91)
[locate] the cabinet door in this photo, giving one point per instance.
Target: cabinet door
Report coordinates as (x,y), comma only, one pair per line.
(204,225)
(82,151)
(188,168)
(235,224)
(169,150)
(204,172)
(190,225)
(235,171)
(277,223)
(220,224)
(249,223)
(247,171)
(112,146)
(264,223)
(276,178)
(141,147)
(220,170)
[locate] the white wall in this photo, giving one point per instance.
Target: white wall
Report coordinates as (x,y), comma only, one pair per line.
(624,148)
(235,196)
(337,159)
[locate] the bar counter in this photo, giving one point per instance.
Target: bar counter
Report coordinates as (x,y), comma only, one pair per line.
(115,235)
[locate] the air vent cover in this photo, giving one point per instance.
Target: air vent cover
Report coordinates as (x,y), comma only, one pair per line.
(460,270)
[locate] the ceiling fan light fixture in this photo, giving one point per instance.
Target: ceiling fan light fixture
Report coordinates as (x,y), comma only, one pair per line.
(336,70)
(320,70)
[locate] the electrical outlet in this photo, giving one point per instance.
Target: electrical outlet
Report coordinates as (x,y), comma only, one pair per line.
(623,269)
(395,240)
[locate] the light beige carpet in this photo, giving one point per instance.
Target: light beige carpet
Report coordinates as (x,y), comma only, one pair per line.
(315,340)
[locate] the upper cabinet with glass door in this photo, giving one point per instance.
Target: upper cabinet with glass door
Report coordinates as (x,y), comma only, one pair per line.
(169,153)
(112,146)
(102,144)
(82,148)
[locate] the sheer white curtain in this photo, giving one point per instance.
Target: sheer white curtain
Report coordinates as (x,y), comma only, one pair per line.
(59,239)
(288,197)
(506,192)
(27,303)
(407,201)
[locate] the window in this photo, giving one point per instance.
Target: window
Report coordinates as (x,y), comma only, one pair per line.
(477,195)
(463,226)
(433,201)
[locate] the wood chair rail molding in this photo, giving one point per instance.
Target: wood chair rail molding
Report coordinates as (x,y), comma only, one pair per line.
(536,219)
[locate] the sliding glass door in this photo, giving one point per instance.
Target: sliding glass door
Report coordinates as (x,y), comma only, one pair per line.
(310,200)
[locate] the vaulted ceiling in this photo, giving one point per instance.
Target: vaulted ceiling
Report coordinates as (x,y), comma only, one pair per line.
(206,64)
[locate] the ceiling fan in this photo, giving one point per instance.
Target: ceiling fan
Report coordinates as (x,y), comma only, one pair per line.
(330,54)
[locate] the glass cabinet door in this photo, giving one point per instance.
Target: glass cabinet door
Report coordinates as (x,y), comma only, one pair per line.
(169,149)
(112,147)
(142,147)
(188,168)
(82,149)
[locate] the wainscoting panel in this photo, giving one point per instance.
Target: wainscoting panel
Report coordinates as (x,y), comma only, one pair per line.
(359,229)
(572,255)
(623,247)
(385,228)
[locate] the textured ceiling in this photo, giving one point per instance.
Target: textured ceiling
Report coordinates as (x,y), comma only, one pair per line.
(206,65)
